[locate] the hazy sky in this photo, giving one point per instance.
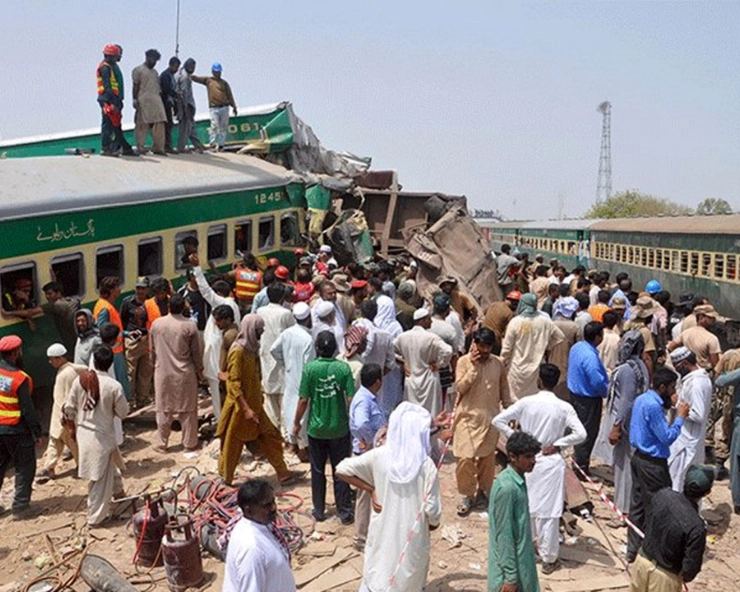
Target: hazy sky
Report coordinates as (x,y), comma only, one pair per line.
(495,100)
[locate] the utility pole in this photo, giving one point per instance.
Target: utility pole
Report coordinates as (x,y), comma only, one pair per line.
(604,182)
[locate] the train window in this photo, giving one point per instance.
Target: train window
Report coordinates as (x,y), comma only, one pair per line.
(217,242)
(706,264)
(19,286)
(243,237)
(651,257)
(694,263)
(109,263)
(69,270)
(186,243)
(731,267)
(644,257)
(289,232)
(683,266)
(719,266)
(150,257)
(572,248)
(266,229)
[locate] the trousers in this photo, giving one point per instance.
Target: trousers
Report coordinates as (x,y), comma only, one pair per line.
(720,414)
(647,576)
(363,509)
(219,126)
(475,474)
(56,447)
(335,450)
(273,407)
(20,451)
(588,410)
(188,421)
(186,130)
(649,475)
(157,131)
(139,369)
(546,531)
(100,493)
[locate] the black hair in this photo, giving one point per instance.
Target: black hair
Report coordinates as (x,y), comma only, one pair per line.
(592,331)
(610,318)
(369,309)
(275,293)
(583,300)
(583,282)
(621,276)
(522,443)
(190,240)
(326,344)
(103,355)
(221,288)
(107,285)
(153,53)
(326,284)
(553,288)
(579,269)
(541,270)
(223,312)
(189,62)
(663,297)
(370,374)
(485,336)
(108,334)
(160,284)
(549,375)
(663,376)
(376,283)
(268,277)
(251,492)
(505,248)
(604,296)
(52,287)
(177,304)
(174,61)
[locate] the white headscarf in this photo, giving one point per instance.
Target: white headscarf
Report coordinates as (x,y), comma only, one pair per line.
(385,319)
(408,441)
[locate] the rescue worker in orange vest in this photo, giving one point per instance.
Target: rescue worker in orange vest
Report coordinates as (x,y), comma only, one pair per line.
(158,305)
(104,312)
(110,98)
(248,281)
(20,428)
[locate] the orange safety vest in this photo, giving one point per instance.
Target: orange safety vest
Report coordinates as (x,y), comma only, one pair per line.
(113,80)
(10,382)
(114,317)
(152,312)
(247,284)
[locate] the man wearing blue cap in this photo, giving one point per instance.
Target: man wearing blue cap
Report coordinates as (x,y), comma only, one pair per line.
(219,101)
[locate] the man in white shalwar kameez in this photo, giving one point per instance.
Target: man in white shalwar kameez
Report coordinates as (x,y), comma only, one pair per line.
(379,348)
(423,354)
(212,336)
(93,402)
(256,560)
(547,418)
(402,480)
(277,319)
(292,351)
(695,387)
(528,338)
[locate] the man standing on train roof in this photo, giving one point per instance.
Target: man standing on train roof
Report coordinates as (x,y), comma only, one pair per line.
(150,113)
(186,108)
(20,428)
(168,88)
(220,99)
(110,98)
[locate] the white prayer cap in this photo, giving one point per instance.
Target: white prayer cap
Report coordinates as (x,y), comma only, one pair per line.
(56,350)
(420,313)
(324,309)
(301,310)
(678,355)
(324,249)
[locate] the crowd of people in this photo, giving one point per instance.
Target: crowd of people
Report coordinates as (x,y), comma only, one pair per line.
(354,366)
(158,100)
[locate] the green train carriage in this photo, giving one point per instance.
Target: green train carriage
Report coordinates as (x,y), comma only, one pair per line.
(90,217)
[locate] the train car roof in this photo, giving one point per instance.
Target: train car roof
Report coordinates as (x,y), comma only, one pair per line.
(568,224)
(729,224)
(45,185)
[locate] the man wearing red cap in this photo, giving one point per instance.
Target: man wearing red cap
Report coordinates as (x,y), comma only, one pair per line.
(20,428)
(110,98)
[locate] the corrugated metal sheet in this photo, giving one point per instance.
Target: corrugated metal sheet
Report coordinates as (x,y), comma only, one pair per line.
(67,183)
(673,224)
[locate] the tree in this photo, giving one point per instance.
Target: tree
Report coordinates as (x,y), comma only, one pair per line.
(633,204)
(713,207)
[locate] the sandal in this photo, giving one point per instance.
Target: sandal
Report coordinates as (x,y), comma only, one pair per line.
(464,507)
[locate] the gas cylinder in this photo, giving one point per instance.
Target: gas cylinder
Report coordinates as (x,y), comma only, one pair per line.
(183,564)
(149,526)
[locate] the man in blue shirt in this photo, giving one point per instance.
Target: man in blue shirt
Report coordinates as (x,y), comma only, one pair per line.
(587,383)
(365,419)
(651,436)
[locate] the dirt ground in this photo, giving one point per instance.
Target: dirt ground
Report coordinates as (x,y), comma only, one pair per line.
(591,560)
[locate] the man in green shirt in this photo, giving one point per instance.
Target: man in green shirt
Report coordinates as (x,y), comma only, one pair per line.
(327,384)
(511,558)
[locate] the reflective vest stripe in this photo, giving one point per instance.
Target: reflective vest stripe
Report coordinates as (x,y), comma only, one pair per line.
(113,80)
(10,382)
(114,317)
(247,284)
(7,399)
